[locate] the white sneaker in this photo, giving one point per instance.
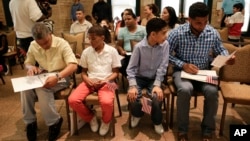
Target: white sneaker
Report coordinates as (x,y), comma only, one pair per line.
(159,129)
(94,124)
(104,128)
(134,121)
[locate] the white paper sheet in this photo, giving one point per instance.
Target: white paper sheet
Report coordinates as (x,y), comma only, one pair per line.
(200,76)
(31,82)
(221,60)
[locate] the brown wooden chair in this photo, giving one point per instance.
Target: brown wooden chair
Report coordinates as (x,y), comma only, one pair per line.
(223,33)
(235,80)
(79,38)
(92,100)
(172,88)
(12,43)
(63,95)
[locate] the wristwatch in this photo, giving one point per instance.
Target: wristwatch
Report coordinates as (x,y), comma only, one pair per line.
(58,77)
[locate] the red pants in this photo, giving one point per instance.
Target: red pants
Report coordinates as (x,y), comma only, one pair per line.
(105,96)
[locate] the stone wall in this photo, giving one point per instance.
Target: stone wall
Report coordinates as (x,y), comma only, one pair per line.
(61,13)
(2,16)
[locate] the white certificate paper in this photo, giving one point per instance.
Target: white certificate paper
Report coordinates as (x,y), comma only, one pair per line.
(31,82)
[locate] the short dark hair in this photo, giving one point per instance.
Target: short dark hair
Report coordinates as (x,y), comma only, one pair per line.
(130,12)
(238,6)
(155,24)
(198,9)
(97,29)
(80,9)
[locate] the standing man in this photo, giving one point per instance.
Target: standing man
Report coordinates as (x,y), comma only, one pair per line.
(24,14)
(191,43)
(101,10)
(53,54)
(76,5)
(227,10)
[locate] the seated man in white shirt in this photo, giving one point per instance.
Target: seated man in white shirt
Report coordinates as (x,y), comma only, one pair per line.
(80,25)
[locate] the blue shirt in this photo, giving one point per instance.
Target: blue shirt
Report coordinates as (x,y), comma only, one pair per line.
(74,8)
(227,5)
(194,50)
(149,62)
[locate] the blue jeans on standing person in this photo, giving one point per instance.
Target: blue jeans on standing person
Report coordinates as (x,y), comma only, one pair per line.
(185,89)
(156,113)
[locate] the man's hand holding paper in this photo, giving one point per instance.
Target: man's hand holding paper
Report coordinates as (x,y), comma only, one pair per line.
(221,60)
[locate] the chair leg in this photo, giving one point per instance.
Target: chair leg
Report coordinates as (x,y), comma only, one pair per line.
(123,83)
(195,101)
(74,80)
(223,118)
(112,129)
(167,110)
(2,79)
(75,122)
(164,103)
(67,112)
(171,123)
(118,102)
(233,105)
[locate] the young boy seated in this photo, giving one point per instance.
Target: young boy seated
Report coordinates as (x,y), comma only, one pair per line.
(146,69)
(100,64)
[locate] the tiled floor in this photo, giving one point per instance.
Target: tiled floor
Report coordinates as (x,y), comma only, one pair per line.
(12,127)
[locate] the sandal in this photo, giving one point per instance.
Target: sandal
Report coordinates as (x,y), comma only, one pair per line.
(182,137)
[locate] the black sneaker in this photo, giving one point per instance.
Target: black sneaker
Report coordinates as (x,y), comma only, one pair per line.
(54,130)
(31,131)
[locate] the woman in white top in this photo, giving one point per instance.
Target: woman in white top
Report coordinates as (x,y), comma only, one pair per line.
(169,15)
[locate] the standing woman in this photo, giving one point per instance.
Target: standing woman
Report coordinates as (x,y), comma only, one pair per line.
(169,16)
(150,11)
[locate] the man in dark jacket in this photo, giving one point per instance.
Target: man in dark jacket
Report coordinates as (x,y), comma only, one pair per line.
(101,10)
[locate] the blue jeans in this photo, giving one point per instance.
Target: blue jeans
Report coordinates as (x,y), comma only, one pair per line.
(185,89)
(46,103)
(156,113)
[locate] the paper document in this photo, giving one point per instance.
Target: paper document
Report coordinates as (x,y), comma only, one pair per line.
(207,76)
(221,60)
(31,82)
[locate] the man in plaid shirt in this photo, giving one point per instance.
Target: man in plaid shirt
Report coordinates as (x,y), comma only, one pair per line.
(192,44)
